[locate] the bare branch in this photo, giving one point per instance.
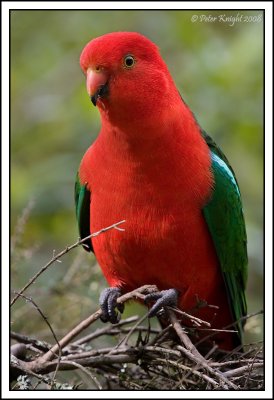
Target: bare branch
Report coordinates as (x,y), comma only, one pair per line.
(85,370)
(106,330)
(62,253)
(50,327)
(245,368)
(149,364)
(84,324)
(192,318)
(191,352)
(39,344)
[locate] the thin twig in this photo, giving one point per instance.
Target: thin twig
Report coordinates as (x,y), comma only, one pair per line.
(51,329)
(161,336)
(91,353)
(39,344)
(103,331)
(184,338)
(69,336)
(63,252)
(186,368)
(191,352)
(23,367)
(251,367)
(154,365)
(125,339)
(86,371)
(245,368)
(232,362)
(85,323)
(244,318)
(192,318)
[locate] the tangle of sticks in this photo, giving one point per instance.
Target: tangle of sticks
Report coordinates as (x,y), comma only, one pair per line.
(143,358)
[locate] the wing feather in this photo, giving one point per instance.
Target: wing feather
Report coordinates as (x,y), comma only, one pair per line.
(82,204)
(225,220)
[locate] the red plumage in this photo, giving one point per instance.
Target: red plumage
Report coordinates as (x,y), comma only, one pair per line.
(151,166)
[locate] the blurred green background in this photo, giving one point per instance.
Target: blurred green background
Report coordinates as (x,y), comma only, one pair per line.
(219,71)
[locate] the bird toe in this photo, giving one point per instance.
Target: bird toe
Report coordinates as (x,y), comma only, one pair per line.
(108,304)
(162,299)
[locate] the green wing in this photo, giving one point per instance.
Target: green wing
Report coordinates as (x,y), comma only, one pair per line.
(225,220)
(82,204)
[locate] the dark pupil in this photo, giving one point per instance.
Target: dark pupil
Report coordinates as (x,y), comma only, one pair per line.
(129,61)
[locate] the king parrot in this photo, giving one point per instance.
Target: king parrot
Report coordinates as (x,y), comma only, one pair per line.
(154,167)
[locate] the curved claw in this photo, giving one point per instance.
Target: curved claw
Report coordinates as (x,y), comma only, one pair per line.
(164,298)
(108,304)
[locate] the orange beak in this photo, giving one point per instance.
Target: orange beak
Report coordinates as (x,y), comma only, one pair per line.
(96,84)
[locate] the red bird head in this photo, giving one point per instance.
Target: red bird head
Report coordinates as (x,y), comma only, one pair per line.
(126,77)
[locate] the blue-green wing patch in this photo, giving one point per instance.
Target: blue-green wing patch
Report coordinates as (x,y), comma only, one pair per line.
(224,217)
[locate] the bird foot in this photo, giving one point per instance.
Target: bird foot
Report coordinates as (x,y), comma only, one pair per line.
(164,298)
(108,304)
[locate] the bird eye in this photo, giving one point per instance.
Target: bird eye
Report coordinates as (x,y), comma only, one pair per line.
(129,61)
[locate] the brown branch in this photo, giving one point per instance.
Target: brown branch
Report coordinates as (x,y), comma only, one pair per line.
(224,382)
(62,253)
(71,335)
(109,329)
(85,370)
(125,339)
(197,321)
(244,318)
(18,350)
(184,338)
(24,367)
(150,355)
(39,344)
(90,353)
(51,329)
(50,366)
(189,369)
(245,368)
(84,324)
(29,299)
(152,362)
(232,362)
(193,354)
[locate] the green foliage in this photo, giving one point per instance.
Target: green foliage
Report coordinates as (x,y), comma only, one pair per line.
(217,68)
